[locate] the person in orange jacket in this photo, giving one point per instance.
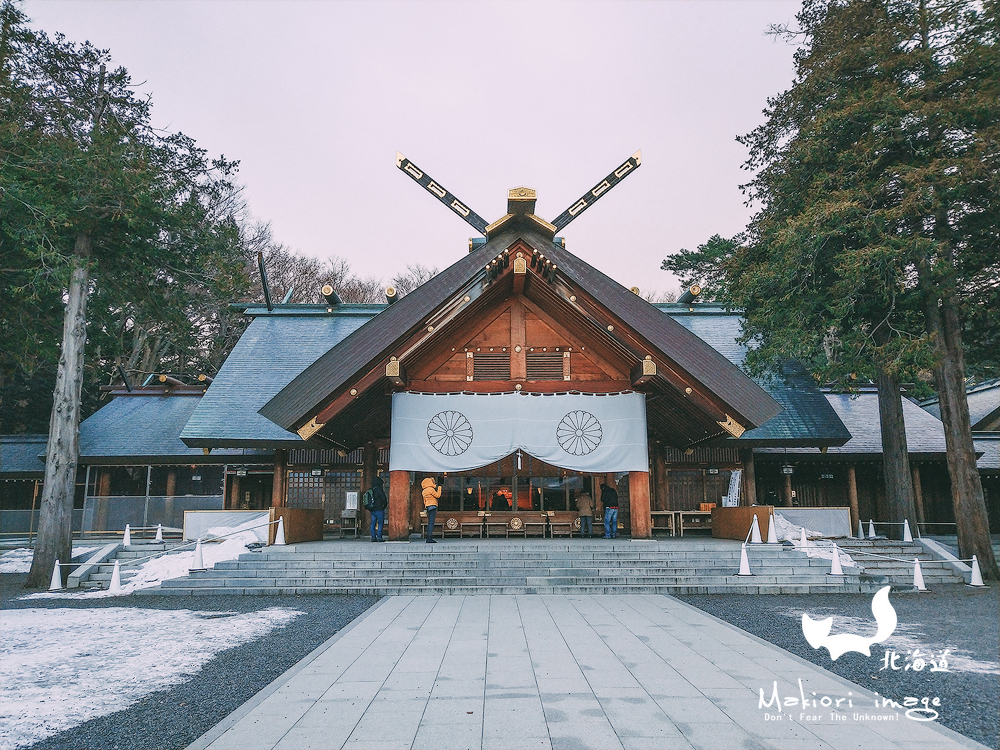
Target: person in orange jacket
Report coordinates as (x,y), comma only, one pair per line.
(431,492)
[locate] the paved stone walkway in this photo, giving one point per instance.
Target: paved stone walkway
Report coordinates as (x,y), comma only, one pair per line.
(528,671)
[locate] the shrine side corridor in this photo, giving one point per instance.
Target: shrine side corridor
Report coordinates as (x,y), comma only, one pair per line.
(555,671)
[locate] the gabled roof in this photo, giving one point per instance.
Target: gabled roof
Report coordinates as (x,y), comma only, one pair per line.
(723,387)
(275,348)
(805,414)
(988,443)
(984,406)
(859,413)
(19,456)
(143,428)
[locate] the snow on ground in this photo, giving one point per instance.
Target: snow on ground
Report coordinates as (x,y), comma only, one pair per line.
(174,565)
(19,560)
(787,531)
(62,667)
(905,641)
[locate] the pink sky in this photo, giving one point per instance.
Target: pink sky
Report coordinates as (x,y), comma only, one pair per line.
(315,98)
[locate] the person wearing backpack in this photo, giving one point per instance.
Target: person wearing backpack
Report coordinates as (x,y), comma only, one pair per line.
(375,502)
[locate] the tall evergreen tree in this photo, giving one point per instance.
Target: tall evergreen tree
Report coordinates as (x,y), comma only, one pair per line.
(95,202)
(877,189)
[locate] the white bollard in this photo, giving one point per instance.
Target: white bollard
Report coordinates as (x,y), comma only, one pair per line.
(116,579)
(56,581)
(755,531)
(772,533)
(279,535)
(977,574)
(861,530)
(835,568)
(159,533)
(803,542)
(907,536)
(744,562)
(197,564)
(918,577)
(127,539)
(871,529)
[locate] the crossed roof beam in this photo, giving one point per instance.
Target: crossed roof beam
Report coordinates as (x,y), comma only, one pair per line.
(520,201)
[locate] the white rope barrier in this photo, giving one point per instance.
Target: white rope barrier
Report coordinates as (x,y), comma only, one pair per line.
(179,547)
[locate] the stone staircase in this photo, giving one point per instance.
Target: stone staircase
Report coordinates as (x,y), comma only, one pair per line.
(899,572)
(100,577)
(530,567)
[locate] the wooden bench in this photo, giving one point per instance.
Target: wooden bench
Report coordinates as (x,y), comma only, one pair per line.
(663,520)
(563,523)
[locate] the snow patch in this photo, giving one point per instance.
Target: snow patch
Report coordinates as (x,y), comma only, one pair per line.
(62,667)
(173,565)
(19,560)
(787,531)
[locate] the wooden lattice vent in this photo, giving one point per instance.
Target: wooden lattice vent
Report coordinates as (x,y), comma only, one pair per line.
(545,365)
(491,366)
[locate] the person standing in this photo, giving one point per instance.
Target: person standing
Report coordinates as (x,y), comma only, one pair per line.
(609,499)
(431,493)
(585,507)
(379,503)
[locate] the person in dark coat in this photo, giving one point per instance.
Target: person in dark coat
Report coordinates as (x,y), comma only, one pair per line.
(609,499)
(380,503)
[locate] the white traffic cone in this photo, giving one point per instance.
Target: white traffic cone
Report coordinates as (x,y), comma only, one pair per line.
(977,575)
(907,536)
(772,533)
(871,529)
(116,579)
(56,583)
(744,562)
(127,539)
(835,569)
(861,530)
(197,564)
(279,535)
(803,542)
(755,531)
(918,577)
(159,533)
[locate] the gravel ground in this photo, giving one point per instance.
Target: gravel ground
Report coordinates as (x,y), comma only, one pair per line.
(954,616)
(177,717)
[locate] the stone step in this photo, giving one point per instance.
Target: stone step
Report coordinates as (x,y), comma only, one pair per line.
(737,588)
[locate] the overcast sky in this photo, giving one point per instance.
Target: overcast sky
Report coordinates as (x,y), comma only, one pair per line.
(315,98)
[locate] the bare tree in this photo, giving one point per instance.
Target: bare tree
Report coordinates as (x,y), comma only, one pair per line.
(415,275)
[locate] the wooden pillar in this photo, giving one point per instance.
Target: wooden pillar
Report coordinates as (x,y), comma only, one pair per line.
(278,485)
(638,496)
(171,482)
(369,457)
(660,499)
(233,500)
(748,490)
(787,499)
(852,496)
(399,505)
(918,493)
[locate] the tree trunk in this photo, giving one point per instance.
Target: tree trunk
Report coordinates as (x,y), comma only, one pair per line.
(966,485)
(895,459)
(55,523)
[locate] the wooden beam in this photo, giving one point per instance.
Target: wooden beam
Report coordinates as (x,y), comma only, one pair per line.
(529,386)
(346,397)
(518,355)
(278,484)
(918,492)
(395,372)
(643,372)
(749,489)
(609,369)
(852,495)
